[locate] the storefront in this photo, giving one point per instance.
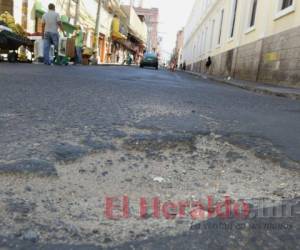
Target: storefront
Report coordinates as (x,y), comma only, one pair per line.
(137,46)
(119,36)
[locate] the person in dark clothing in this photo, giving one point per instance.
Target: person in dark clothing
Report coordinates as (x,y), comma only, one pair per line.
(184,66)
(208,63)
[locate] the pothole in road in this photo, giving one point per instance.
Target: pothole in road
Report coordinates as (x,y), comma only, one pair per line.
(172,167)
(146,111)
(154,143)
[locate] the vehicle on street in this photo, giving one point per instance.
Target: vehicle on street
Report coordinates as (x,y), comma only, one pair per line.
(149,60)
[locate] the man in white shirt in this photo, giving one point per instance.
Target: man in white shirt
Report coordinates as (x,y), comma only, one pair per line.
(51,23)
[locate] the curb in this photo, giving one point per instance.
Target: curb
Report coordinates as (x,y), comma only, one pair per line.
(117,65)
(256,89)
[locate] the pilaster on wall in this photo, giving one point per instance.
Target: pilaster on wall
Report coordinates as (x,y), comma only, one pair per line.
(247,61)
(280,61)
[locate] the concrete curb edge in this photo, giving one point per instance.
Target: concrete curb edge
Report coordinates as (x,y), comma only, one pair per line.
(260,90)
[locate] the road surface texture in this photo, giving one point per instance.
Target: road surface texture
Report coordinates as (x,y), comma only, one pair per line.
(73,137)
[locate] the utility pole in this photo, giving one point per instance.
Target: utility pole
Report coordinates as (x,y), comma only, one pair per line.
(97,28)
(149,30)
(69,9)
(77,13)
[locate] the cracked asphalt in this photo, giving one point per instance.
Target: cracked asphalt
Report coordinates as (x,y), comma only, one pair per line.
(72,136)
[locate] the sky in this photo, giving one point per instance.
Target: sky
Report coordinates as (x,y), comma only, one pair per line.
(173,17)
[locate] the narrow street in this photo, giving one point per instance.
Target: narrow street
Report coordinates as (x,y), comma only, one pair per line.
(72,136)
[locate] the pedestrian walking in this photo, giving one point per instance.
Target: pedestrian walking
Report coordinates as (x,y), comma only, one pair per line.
(118,56)
(184,66)
(50,24)
(208,64)
(173,66)
(78,44)
(128,59)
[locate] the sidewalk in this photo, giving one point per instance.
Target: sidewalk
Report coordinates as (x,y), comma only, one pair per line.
(117,64)
(262,88)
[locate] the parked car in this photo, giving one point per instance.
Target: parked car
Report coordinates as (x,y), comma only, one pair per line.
(149,60)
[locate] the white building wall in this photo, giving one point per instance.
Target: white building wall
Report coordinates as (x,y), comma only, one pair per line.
(17,13)
(198,31)
(31,16)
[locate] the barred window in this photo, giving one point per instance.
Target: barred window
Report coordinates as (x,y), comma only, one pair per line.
(286,4)
(233,20)
(253,13)
(221,26)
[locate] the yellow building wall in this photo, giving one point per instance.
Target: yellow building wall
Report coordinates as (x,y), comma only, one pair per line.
(289,21)
(266,24)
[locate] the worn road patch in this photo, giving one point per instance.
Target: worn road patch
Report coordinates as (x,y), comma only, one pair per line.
(33,167)
(173,167)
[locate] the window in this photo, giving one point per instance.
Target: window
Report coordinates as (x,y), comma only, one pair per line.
(194,50)
(285,7)
(202,7)
(205,40)
(233,19)
(199,45)
(286,3)
(202,41)
(253,13)
(212,34)
(207,3)
(221,26)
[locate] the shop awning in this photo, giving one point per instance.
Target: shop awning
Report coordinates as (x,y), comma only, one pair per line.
(39,11)
(69,28)
(118,30)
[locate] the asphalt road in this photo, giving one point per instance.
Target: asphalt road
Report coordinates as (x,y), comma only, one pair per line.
(55,118)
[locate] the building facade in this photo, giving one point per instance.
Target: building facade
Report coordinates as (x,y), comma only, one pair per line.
(179,47)
(29,14)
(256,40)
(152,20)
(110,48)
(137,32)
